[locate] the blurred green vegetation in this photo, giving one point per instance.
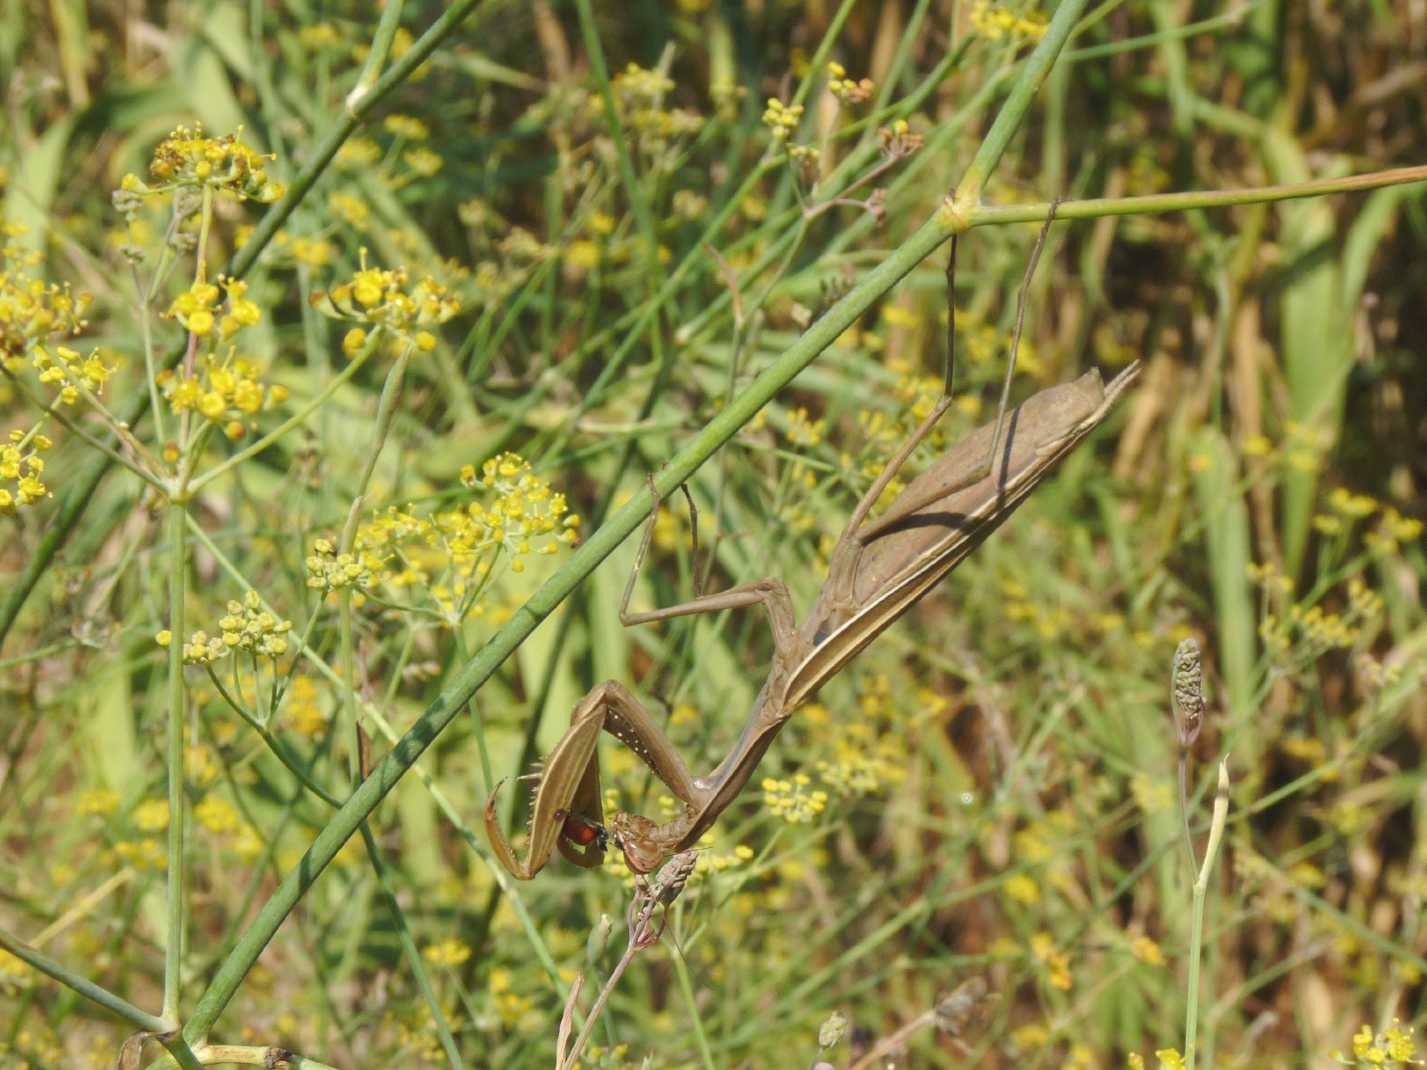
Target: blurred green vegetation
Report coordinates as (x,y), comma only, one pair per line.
(989,791)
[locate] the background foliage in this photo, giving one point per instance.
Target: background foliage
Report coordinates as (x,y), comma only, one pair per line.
(990,790)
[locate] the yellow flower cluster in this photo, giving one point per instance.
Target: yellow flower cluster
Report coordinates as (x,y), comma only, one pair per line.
(218,815)
(846,89)
(803,430)
(20,467)
(527,509)
(1392,1048)
(997,23)
(1022,888)
(1146,950)
(98,802)
(450,554)
(151,815)
(247,626)
(449,952)
(188,159)
(194,308)
(1055,961)
(73,374)
(1345,508)
(898,140)
(304,713)
(781,119)
(384,299)
(790,799)
(1169,1059)
(31,310)
(1312,627)
(639,98)
(865,755)
(226,390)
(513,1008)
(856,770)
(425,162)
(327,570)
(406,126)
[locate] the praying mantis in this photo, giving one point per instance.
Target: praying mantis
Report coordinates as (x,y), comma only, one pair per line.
(878,569)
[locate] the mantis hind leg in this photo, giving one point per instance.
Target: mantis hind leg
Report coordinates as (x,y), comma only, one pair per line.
(858,529)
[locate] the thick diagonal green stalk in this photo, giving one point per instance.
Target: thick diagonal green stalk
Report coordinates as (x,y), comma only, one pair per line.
(931,234)
(541,604)
(1018,102)
(84,483)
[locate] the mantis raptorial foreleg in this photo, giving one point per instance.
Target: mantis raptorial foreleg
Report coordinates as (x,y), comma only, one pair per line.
(568,809)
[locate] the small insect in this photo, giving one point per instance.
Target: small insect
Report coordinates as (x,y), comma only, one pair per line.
(581,831)
(879,568)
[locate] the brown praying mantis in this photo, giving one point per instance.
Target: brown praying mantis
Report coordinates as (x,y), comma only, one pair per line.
(879,568)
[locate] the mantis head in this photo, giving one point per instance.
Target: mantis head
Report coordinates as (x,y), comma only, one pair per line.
(639,839)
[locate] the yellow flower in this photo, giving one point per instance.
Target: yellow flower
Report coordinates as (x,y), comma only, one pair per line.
(450,952)
(1147,951)
(151,815)
(99,801)
(1022,889)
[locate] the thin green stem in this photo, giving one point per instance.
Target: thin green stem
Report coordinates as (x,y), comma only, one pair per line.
(1099,207)
(687,988)
(376,54)
(151,371)
(1196,924)
(412,952)
(278,748)
(135,1016)
(177,592)
(292,421)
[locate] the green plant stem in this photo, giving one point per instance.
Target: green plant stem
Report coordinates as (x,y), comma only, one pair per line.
(278,748)
(1196,924)
(686,986)
(287,425)
(377,53)
(1018,103)
(412,952)
(177,591)
(135,1016)
(444,709)
(1099,207)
